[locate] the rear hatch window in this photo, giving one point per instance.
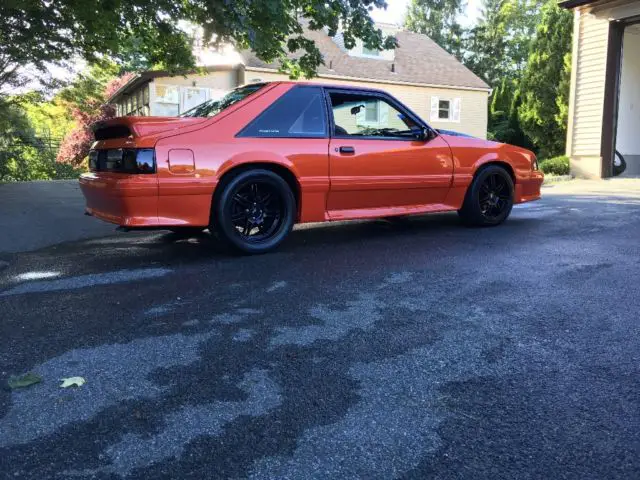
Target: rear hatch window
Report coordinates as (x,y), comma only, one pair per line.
(214,107)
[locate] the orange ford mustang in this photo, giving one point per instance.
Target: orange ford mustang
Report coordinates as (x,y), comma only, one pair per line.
(269,155)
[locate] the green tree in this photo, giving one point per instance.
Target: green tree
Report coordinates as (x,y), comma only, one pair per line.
(498,46)
(504,123)
(86,100)
(35,33)
(24,155)
(438,19)
(485,44)
(564,87)
(48,118)
(544,85)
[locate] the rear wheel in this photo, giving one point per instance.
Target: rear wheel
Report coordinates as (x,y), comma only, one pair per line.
(489,199)
(254,211)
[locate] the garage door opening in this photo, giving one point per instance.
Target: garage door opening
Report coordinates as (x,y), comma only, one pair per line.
(628,118)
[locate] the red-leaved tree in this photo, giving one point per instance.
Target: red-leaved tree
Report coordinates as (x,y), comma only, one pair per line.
(76,144)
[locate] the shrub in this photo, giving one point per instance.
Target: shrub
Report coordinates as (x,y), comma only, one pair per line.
(555,166)
(75,145)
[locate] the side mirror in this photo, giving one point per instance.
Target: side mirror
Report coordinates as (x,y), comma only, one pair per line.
(356,110)
(422,134)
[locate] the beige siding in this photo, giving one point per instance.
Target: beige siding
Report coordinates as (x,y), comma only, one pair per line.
(587,96)
(223,80)
(473,111)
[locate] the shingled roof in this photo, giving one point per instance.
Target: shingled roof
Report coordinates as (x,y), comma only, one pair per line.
(418,60)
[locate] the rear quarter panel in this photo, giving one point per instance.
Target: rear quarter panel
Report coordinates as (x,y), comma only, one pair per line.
(187,198)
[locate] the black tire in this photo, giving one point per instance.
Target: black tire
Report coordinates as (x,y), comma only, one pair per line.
(254,211)
(187,231)
(619,164)
(489,198)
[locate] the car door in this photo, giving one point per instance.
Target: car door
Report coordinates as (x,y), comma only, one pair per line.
(376,160)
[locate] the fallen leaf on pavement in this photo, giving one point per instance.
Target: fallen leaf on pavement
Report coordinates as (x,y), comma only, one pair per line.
(72,382)
(22,381)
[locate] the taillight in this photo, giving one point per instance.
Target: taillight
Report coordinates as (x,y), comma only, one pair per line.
(123,160)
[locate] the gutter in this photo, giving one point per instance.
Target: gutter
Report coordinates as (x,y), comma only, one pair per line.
(568,4)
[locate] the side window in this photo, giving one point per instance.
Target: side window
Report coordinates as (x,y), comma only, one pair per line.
(356,114)
(298,113)
(444,108)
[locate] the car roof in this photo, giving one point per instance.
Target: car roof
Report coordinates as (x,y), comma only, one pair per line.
(326,85)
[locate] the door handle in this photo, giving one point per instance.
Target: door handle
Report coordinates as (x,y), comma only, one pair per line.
(347,150)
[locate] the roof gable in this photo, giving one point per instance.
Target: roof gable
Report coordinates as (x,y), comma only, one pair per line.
(418,60)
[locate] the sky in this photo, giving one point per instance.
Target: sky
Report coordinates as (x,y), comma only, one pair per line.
(396,9)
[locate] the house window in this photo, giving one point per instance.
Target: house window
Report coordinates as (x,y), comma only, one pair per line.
(443,109)
(372,112)
(353,116)
(192,97)
(370,52)
(167,102)
(167,94)
(135,104)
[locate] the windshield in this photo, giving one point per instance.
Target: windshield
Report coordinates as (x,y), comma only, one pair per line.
(213,107)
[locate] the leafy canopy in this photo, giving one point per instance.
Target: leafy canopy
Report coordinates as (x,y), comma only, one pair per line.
(545,82)
(438,19)
(36,32)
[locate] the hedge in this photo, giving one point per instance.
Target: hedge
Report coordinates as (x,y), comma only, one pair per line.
(555,166)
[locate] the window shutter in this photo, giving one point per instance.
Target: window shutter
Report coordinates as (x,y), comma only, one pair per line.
(384,113)
(455,117)
(434,109)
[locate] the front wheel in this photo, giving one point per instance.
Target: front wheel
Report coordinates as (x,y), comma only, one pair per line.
(489,199)
(255,211)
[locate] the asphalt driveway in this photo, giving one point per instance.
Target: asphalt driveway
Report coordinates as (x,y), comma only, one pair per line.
(39,214)
(408,349)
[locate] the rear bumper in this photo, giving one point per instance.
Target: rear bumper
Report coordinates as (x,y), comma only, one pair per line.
(123,199)
(528,189)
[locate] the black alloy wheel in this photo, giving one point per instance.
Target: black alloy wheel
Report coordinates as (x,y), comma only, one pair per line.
(494,197)
(255,211)
(489,198)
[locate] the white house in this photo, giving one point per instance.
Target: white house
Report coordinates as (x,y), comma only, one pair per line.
(425,77)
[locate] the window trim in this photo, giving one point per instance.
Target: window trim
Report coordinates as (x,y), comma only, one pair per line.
(394,102)
(452,101)
(325,135)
